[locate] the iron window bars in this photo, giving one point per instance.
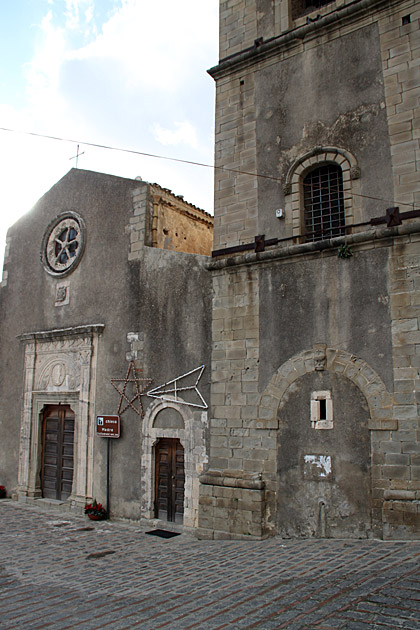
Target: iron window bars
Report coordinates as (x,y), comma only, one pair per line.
(323,203)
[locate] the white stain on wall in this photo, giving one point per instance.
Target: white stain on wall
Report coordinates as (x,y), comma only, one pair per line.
(321,462)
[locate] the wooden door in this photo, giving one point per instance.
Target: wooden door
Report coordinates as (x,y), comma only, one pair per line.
(57,452)
(170,480)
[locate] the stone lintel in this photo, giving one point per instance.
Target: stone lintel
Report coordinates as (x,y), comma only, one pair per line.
(400,495)
(56,333)
(229,480)
(383,424)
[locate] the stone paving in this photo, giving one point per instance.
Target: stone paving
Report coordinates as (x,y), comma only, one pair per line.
(62,571)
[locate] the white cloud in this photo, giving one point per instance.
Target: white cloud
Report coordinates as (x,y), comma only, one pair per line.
(136,80)
(156,44)
(73,10)
(184,133)
(43,72)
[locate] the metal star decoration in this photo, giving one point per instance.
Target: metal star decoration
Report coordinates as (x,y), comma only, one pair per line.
(140,385)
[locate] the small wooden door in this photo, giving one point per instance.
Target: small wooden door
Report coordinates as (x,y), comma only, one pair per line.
(57,452)
(170,480)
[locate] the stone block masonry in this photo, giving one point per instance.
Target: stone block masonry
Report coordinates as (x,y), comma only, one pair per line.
(163,220)
(237,499)
(400,51)
(235,148)
(238,494)
(289,315)
(398,474)
(138,226)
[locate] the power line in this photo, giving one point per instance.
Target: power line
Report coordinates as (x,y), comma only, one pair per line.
(179,160)
(132,151)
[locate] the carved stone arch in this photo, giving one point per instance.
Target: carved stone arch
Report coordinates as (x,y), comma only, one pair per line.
(320,357)
(317,157)
(59,372)
(192,438)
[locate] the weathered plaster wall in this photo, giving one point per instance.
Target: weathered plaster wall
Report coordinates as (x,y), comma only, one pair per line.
(324,299)
(324,475)
(170,314)
(326,96)
(95,294)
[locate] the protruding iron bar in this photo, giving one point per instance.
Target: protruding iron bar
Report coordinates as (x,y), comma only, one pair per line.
(392,218)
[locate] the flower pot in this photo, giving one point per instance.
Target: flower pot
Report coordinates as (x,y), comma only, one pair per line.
(3,494)
(96,517)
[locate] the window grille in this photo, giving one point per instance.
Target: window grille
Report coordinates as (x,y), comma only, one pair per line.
(303,7)
(316,4)
(324,203)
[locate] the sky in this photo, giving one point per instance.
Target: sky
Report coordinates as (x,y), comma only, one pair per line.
(129,74)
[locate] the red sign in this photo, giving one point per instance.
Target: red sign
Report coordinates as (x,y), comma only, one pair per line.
(108,426)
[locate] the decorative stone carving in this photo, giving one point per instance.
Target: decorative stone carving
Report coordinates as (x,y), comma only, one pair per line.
(287,188)
(57,370)
(320,357)
(62,294)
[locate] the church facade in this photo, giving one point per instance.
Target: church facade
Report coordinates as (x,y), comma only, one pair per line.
(104,296)
(284,350)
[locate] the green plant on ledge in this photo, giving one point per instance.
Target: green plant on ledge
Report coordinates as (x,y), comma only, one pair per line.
(344,251)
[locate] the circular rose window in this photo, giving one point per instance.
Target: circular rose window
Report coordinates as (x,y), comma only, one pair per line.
(63,243)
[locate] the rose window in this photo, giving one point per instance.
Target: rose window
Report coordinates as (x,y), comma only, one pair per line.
(63,245)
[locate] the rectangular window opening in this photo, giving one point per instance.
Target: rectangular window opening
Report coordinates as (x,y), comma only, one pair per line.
(322,410)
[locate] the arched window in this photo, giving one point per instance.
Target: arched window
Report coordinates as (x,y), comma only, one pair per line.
(322,194)
(323,202)
(303,7)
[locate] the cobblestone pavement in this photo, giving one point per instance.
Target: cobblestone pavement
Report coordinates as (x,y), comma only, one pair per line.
(63,571)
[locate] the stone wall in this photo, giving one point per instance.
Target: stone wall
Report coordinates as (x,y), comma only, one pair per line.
(68,339)
(163,220)
(235,190)
(339,85)
(273,106)
(399,451)
(247,399)
(400,48)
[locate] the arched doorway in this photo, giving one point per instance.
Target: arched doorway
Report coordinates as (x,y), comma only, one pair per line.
(186,426)
(170,480)
(57,452)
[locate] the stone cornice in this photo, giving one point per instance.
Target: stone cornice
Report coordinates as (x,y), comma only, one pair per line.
(316,247)
(60,333)
(275,45)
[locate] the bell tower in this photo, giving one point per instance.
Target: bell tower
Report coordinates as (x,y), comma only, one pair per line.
(317,197)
